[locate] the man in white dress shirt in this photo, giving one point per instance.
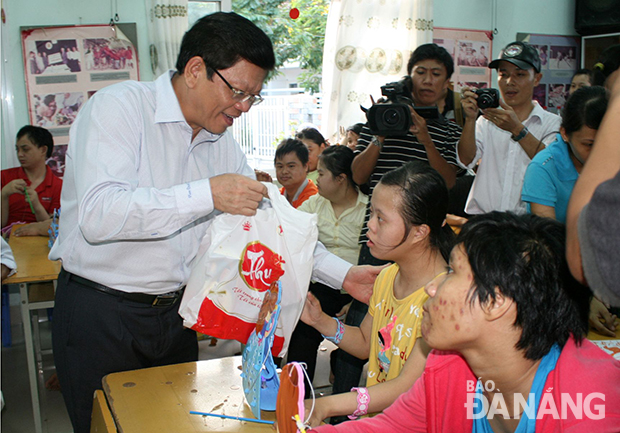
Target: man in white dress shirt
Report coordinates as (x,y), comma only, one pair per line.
(149,164)
(506,138)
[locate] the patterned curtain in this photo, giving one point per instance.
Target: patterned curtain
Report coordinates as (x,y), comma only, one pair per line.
(367,44)
(166,27)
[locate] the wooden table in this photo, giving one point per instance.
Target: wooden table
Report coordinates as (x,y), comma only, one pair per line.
(159,399)
(33,267)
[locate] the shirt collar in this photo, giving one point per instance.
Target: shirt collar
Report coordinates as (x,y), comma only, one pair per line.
(47,181)
(537,111)
(361,198)
(168,109)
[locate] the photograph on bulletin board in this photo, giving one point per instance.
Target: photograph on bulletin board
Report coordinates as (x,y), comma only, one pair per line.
(559,60)
(471,51)
(64,67)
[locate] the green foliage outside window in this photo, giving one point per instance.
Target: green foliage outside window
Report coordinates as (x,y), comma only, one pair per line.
(295,40)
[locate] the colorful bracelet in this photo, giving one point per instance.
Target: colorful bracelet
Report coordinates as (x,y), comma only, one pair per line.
(363,401)
(336,339)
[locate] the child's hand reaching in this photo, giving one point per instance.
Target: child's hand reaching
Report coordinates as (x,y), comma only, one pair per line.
(312,310)
(317,418)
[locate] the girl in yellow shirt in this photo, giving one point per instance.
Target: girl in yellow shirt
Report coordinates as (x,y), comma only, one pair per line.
(407,226)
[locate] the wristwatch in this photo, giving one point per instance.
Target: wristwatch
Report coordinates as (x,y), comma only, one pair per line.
(520,136)
(376,142)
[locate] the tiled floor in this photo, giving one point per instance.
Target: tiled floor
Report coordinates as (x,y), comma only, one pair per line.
(17,414)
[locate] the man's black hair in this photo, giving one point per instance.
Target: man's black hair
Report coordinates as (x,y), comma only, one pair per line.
(523,257)
(292,145)
(39,136)
(433,52)
(222,39)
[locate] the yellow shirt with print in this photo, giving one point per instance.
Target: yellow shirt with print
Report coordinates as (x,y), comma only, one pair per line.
(395,327)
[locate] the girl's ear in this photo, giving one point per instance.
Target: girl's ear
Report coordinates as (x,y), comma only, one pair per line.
(341,178)
(421,232)
(564,134)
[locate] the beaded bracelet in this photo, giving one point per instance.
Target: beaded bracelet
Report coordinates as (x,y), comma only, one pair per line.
(336,339)
(363,401)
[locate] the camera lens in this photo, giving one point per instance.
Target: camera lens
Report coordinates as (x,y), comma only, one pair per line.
(391,117)
(485,101)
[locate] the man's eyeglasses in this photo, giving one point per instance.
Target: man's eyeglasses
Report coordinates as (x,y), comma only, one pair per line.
(240,95)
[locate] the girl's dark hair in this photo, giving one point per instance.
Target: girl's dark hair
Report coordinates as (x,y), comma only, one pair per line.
(584,71)
(607,63)
(222,39)
(312,135)
(292,145)
(424,201)
(338,159)
(585,107)
(523,257)
(39,136)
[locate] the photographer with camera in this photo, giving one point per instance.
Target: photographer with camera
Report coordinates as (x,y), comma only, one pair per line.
(508,134)
(397,133)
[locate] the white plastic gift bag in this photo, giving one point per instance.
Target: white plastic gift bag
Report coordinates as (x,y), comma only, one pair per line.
(242,257)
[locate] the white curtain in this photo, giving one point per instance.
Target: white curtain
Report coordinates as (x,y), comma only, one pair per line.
(8,128)
(367,44)
(166,26)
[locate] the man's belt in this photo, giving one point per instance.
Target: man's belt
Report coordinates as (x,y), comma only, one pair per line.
(165,300)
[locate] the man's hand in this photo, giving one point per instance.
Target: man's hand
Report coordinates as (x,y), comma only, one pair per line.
(360,280)
(237,194)
(505,118)
(469,101)
(418,128)
(32,195)
(262,176)
(599,311)
(16,186)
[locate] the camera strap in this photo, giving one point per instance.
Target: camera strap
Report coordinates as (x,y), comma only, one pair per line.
(458,109)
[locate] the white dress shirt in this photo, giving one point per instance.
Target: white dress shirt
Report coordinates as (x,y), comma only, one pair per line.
(136,198)
(499,178)
(7,258)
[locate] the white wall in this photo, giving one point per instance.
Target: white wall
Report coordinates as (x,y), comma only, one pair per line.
(552,17)
(24,13)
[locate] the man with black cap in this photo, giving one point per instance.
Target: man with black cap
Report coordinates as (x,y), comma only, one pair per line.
(506,137)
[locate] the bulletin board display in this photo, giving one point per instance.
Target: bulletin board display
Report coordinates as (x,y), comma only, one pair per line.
(64,66)
(471,51)
(559,60)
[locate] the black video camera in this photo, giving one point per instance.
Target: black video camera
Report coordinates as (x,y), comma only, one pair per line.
(487,98)
(393,117)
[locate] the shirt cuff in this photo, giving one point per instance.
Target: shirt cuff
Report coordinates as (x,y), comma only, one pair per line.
(329,269)
(538,200)
(473,162)
(194,199)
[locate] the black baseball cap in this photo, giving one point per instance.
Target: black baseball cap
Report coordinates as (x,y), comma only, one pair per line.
(520,54)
